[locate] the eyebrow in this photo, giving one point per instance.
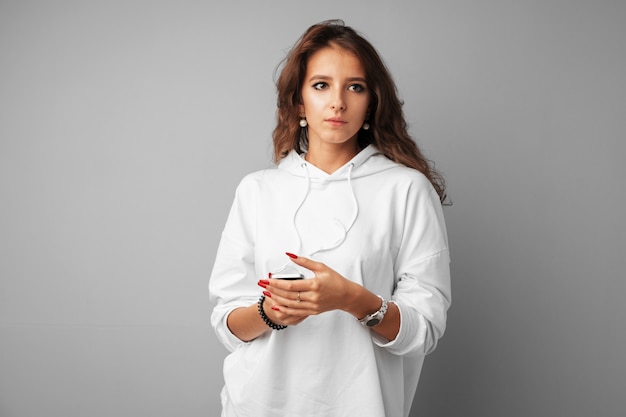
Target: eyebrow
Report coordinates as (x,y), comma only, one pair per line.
(326,77)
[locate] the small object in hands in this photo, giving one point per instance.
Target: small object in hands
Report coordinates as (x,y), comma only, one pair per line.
(288,276)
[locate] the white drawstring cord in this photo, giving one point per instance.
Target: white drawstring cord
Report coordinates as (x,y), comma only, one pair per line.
(336,221)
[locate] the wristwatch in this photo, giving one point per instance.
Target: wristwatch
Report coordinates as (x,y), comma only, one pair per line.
(373,319)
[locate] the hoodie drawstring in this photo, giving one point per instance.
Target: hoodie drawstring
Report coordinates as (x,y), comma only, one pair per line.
(336,221)
(295,213)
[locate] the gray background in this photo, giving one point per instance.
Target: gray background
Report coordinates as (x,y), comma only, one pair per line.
(126,125)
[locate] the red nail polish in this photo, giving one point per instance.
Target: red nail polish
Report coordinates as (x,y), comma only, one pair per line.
(275,308)
(291,255)
(269,275)
(263,283)
(267,294)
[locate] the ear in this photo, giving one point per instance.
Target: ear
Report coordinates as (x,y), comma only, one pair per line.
(301,111)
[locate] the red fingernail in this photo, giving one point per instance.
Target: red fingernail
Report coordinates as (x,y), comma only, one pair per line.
(269,275)
(291,255)
(267,294)
(275,308)
(263,283)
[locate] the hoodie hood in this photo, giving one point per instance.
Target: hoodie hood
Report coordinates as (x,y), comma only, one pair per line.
(367,162)
(334,226)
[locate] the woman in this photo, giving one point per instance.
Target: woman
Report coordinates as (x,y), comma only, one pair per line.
(355,208)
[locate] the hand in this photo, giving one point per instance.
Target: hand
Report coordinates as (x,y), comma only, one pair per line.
(274,312)
(327,291)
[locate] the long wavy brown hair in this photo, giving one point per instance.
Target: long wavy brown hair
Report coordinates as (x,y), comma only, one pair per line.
(388,129)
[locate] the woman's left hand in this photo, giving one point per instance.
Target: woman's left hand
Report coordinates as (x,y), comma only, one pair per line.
(327,291)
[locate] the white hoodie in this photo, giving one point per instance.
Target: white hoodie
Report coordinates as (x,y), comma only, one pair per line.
(377,223)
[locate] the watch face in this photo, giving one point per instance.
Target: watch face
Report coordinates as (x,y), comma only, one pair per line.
(372,322)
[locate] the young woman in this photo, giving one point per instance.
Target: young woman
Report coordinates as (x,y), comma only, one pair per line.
(355,208)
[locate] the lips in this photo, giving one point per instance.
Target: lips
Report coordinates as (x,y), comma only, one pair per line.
(335,121)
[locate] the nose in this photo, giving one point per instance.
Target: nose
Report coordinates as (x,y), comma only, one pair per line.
(338,102)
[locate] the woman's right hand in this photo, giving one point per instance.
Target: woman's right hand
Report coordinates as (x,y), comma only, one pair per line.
(273,312)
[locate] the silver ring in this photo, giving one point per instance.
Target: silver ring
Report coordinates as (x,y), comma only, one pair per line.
(299,296)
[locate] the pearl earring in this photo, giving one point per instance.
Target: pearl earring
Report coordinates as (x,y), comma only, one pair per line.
(303,122)
(366,126)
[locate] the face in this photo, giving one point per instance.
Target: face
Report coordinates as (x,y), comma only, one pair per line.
(335,97)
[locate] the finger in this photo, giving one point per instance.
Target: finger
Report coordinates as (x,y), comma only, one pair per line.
(297,312)
(306,262)
(286,298)
(285,315)
(284,287)
(277,314)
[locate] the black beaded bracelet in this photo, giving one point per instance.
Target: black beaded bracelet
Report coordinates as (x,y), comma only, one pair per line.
(267,321)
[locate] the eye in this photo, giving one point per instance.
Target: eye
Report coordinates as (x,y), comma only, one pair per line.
(320,85)
(357,88)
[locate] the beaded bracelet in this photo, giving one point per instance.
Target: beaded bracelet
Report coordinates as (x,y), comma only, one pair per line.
(267,321)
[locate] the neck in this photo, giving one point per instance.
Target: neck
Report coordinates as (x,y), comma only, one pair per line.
(330,159)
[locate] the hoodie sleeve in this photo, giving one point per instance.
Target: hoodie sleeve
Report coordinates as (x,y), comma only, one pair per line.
(232,284)
(422,271)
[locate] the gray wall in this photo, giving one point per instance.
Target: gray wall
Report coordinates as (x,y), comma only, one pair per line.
(125,126)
